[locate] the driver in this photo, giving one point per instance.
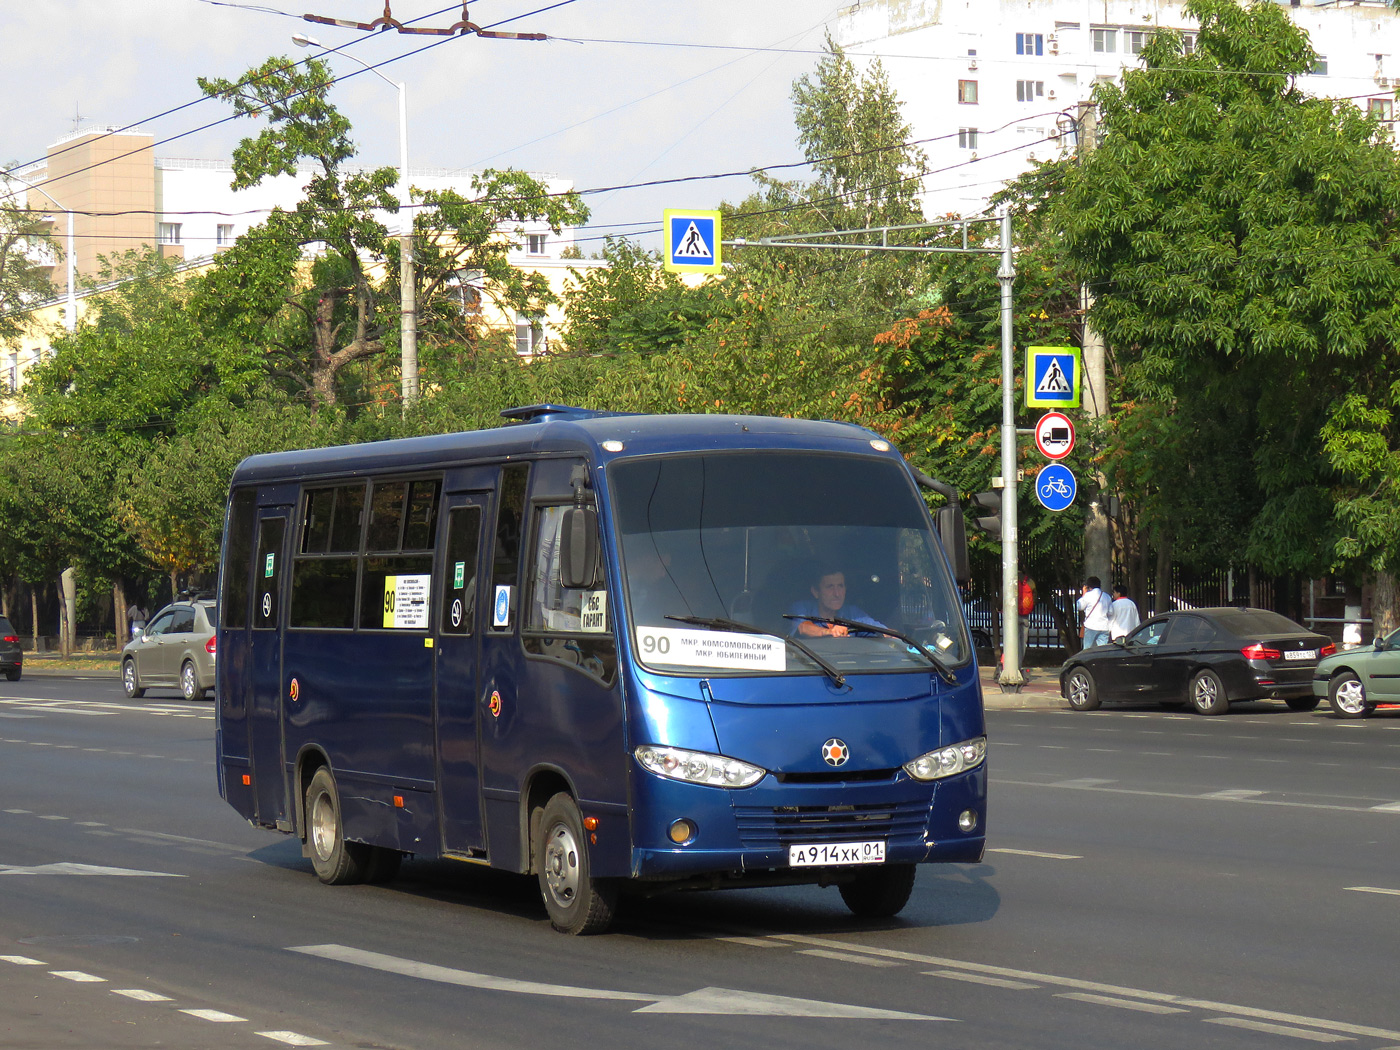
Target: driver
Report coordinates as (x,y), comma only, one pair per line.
(828,599)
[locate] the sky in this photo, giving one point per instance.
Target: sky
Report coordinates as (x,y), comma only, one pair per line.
(623,92)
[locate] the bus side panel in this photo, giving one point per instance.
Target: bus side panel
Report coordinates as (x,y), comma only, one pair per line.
(365,700)
(231,696)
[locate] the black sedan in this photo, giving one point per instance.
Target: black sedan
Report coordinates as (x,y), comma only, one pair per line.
(1205,657)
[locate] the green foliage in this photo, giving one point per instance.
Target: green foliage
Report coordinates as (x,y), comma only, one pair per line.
(23,282)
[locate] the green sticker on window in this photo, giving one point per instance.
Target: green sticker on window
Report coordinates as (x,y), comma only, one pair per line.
(267,569)
(459,575)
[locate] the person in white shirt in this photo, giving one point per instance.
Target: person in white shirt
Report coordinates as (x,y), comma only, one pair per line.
(1093,605)
(1122,614)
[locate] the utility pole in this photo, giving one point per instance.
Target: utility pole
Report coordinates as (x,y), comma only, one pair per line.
(1098,539)
(1011,679)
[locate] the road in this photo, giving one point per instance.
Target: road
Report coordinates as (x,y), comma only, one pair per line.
(1154,879)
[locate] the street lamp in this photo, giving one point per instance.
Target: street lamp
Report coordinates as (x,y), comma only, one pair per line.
(408,323)
(70,320)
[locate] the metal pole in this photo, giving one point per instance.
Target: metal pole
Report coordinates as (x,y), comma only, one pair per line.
(70,319)
(408,310)
(1010,575)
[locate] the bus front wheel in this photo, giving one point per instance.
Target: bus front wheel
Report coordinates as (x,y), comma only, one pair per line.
(576,901)
(879,892)
(337,862)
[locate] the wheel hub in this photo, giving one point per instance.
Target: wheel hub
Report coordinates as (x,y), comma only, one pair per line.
(322,828)
(561,865)
(1351,698)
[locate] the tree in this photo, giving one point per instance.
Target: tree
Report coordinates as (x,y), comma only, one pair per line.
(24,280)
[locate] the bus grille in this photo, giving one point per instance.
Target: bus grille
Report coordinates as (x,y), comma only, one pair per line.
(763,827)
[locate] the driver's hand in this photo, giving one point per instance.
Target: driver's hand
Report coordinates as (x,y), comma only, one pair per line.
(838,631)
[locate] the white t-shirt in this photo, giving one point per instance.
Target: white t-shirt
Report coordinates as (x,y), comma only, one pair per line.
(1094,605)
(1122,617)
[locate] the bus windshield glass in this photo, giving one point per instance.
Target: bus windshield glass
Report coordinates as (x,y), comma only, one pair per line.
(758,551)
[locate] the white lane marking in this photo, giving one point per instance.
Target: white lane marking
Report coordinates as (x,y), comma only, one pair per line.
(977,978)
(1327,806)
(1033,853)
(1092,986)
(752,942)
(79,976)
(215,1015)
(1278,1029)
(19,812)
(1082,782)
(91,824)
(1388,807)
(1374,889)
(141,995)
(293,1038)
(1124,1004)
(68,868)
(1233,794)
(850,957)
(724,1001)
(52,817)
(20,960)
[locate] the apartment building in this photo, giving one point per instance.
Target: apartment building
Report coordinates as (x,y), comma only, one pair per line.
(996,84)
(124,197)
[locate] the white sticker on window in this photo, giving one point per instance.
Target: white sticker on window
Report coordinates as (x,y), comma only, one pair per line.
(406,601)
(718,649)
(594,615)
(500,606)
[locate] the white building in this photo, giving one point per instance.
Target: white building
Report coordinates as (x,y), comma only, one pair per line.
(996,83)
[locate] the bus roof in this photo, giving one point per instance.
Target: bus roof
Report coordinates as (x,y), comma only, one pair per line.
(554,429)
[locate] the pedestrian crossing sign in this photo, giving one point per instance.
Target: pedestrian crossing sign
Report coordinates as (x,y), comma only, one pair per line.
(1054,376)
(692,241)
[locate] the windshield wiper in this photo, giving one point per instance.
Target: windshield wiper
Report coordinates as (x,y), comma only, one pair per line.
(855,625)
(837,678)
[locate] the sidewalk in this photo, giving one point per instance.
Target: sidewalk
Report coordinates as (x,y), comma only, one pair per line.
(103,664)
(1041,690)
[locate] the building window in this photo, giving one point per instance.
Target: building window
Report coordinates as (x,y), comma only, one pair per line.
(1030,44)
(1188,43)
(534,243)
(12,373)
(1319,68)
(529,335)
(1029,90)
(223,234)
(169,233)
(1136,40)
(1105,40)
(967,138)
(967,92)
(1383,109)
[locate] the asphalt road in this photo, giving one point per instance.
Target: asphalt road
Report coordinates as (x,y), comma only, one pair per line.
(1154,880)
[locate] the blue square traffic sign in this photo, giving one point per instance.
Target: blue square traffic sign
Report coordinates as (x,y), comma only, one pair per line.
(1053,377)
(692,241)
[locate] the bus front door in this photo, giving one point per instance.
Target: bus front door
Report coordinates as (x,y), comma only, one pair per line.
(459,625)
(266,742)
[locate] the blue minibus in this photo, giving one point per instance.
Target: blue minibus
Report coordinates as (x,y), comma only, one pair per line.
(627,654)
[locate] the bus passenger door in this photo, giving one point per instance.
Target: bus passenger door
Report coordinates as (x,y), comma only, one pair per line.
(459,623)
(265,744)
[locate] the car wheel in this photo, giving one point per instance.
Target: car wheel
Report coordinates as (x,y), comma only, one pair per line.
(1303,703)
(1208,694)
(130,682)
(576,901)
(337,862)
(880,892)
(189,682)
(1080,690)
(13,674)
(1347,696)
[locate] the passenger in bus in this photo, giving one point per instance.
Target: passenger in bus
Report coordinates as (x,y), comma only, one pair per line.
(828,599)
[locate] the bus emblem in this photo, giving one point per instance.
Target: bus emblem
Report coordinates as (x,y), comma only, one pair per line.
(835,752)
(495,705)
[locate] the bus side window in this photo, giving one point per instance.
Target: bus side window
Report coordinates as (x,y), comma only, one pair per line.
(233,606)
(459,592)
(552,606)
(510,518)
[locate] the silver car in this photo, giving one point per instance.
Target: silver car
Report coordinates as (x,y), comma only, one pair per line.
(176,650)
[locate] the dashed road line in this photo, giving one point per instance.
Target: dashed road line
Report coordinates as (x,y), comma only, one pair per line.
(979,978)
(1033,853)
(1374,889)
(79,976)
(217,1016)
(293,1038)
(850,957)
(1279,1029)
(1122,1004)
(142,996)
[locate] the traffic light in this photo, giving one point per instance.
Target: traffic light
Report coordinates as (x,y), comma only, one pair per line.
(986,509)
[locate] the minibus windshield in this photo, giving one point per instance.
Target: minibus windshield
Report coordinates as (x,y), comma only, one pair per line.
(728,556)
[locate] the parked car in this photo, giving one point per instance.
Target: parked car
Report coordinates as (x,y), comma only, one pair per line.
(11,655)
(1356,680)
(175,650)
(1208,658)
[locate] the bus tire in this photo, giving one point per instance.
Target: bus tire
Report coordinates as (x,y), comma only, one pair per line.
(881,892)
(337,862)
(577,903)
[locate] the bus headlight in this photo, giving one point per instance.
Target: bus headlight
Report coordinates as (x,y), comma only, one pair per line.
(696,767)
(948,761)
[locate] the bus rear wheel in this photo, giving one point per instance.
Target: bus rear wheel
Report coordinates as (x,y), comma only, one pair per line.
(577,903)
(879,892)
(337,862)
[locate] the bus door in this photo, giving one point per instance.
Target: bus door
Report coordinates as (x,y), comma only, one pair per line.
(266,748)
(459,623)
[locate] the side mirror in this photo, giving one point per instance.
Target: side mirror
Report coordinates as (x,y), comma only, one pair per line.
(1379,644)
(952,532)
(580,554)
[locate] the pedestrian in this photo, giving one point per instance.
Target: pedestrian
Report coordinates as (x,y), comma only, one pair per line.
(1122,614)
(1093,606)
(1025,605)
(136,616)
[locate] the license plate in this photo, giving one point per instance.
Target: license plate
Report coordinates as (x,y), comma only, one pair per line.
(1301,654)
(834,854)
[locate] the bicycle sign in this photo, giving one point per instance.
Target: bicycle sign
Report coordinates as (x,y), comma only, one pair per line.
(1055,487)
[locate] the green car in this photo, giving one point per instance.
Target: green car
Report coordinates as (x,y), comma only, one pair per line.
(1354,681)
